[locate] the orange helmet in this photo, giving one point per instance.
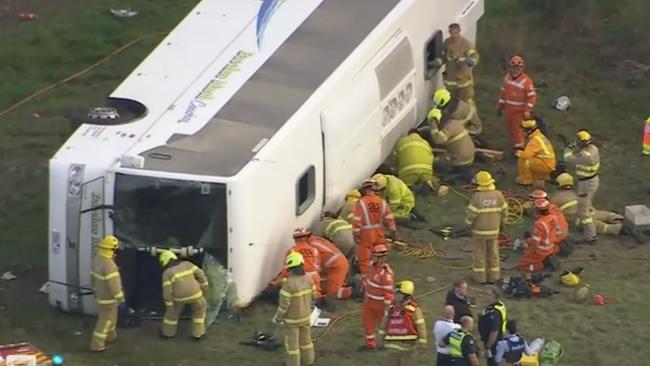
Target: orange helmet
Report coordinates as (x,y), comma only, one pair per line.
(380,250)
(516,60)
(541,204)
(369,184)
(536,194)
(301,232)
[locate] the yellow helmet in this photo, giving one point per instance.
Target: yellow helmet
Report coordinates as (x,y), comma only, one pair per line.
(110,242)
(570,279)
(165,257)
(441,97)
(353,195)
(528,123)
(564,180)
(294,259)
(407,287)
(483,178)
(583,136)
(381,181)
(434,114)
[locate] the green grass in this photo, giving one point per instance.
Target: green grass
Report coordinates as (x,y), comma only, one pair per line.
(573,50)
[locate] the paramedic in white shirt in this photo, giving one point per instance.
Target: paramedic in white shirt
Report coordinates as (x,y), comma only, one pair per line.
(441,329)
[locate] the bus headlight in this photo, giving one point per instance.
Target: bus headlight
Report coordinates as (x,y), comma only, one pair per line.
(75,178)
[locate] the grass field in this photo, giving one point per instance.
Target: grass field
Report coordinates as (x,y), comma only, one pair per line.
(578,50)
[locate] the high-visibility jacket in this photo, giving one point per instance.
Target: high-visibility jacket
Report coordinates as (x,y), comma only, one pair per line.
(339,232)
(404,326)
(517,94)
(106,281)
(456,338)
(486,213)
(459,145)
(586,161)
(329,254)
(295,301)
(500,308)
(399,197)
(539,147)
(348,207)
(310,255)
(378,284)
(544,238)
(371,215)
(567,201)
(183,283)
(454,56)
(414,158)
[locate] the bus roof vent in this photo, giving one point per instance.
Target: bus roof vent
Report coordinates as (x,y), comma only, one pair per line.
(103,113)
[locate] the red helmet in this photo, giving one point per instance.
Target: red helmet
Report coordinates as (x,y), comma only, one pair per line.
(538,193)
(516,60)
(541,204)
(380,250)
(301,232)
(369,184)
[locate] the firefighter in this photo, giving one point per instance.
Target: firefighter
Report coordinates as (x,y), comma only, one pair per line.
(464,350)
(183,283)
(454,108)
(518,98)
(378,294)
(492,325)
(543,243)
(459,146)
(371,217)
(311,259)
(414,159)
(536,161)
(334,265)
(108,293)
(338,231)
(403,331)
(351,199)
(459,57)
(584,155)
(294,311)
(485,215)
(398,195)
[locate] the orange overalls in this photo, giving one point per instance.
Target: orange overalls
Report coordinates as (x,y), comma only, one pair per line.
(378,294)
(371,214)
(537,161)
(311,266)
(335,267)
(518,99)
(544,242)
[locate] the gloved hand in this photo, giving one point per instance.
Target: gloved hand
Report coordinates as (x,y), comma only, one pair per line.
(500,111)
(518,152)
(470,62)
(275,319)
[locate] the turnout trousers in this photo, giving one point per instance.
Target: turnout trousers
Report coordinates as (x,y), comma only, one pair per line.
(170,321)
(105,327)
(485,260)
(586,191)
(298,345)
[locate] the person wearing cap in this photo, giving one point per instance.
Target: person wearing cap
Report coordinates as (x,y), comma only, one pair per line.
(371,217)
(485,214)
(403,331)
(454,108)
(583,154)
(441,329)
(398,195)
(459,146)
(492,325)
(378,294)
(183,283)
(414,160)
(294,312)
(536,161)
(543,243)
(311,260)
(511,348)
(459,57)
(107,283)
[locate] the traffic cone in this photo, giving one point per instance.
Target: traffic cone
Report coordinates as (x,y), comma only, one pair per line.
(646,137)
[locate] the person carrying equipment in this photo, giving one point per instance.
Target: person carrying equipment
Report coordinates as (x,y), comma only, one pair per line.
(183,284)
(536,161)
(414,159)
(371,215)
(485,214)
(512,347)
(334,265)
(492,325)
(107,283)
(398,195)
(459,57)
(294,311)
(459,146)
(454,108)
(464,350)
(311,259)
(378,294)
(403,331)
(544,242)
(518,98)
(584,155)
(338,231)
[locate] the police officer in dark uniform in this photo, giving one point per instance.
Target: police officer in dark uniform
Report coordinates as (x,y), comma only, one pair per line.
(512,347)
(464,349)
(492,325)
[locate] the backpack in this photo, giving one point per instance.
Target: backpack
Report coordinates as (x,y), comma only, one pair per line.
(551,354)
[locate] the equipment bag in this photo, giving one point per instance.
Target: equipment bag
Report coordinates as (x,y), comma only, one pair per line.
(551,354)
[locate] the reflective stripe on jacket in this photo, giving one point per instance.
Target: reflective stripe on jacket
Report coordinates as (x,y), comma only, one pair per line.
(183,282)
(399,197)
(372,213)
(518,93)
(586,161)
(107,281)
(486,213)
(414,156)
(378,283)
(296,294)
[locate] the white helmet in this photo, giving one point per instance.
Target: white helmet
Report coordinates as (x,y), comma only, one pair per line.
(562,103)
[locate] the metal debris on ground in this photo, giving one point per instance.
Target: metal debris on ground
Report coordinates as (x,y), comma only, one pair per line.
(8,276)
(124,13)
(431,279)
(562,103)
(27,16)
(45,289)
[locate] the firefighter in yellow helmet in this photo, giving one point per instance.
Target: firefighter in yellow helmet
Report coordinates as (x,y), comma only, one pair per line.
(451,133)
(485,214)
(584,155)
(536,161)
(403,331)
(183,284)
(108,293)
(351,199)
(294,311)
(414,160)
(337,230)
(397,194)
(454,108)
(459,57)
